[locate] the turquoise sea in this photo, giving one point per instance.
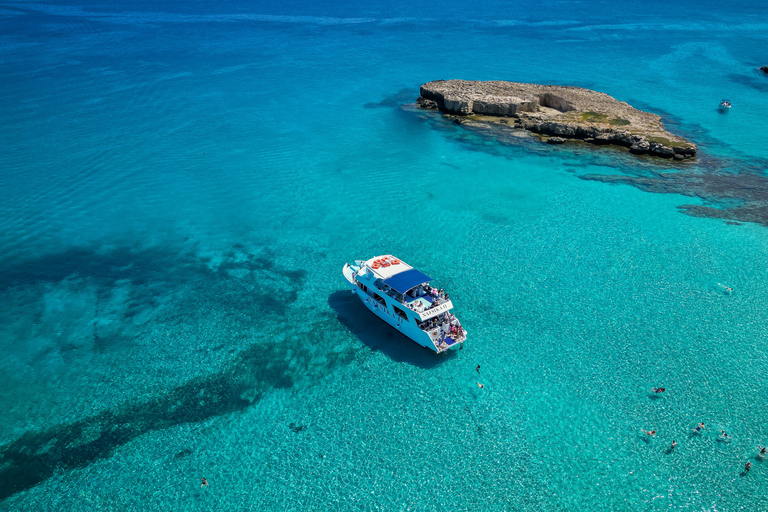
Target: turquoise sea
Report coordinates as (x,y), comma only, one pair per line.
(182,182)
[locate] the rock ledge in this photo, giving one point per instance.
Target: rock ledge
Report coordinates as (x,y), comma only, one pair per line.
(559,111)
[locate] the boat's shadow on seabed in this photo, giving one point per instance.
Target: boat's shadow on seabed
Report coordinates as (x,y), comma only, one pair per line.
(381,337)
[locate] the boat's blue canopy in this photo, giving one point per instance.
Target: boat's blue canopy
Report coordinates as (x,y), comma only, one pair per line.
(404,281)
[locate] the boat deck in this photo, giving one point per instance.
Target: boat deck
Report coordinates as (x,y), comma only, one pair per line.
(446,343)
(422,302)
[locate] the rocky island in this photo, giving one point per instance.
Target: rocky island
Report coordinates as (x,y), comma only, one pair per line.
(556,112)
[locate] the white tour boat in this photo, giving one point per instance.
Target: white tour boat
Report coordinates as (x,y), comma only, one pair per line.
(401,296)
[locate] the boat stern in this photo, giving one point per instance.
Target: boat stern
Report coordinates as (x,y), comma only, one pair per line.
(349,272)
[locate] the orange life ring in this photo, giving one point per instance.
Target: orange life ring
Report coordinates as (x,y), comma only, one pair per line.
(395,262)
(385,264)
(375,265)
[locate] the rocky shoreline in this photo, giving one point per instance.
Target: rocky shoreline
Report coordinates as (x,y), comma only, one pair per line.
(558,112)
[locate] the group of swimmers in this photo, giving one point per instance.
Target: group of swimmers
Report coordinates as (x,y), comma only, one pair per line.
(697,430)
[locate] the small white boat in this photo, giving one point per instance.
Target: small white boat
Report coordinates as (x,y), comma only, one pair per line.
(725,106)
(401,296)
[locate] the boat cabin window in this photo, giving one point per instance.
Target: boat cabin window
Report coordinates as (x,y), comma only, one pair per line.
(399,312)
(379,299)
(362,287)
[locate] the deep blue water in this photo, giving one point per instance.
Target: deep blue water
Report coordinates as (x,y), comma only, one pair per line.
(181,184)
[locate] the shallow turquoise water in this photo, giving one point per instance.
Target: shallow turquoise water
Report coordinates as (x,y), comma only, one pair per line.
(181,186)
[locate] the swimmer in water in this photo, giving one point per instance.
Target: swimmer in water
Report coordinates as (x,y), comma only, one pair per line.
(479,385)
(726,289)
(763,451)
(659,390)
(724,435)
(204,483)
(698,427)
(747,467)
(651,433)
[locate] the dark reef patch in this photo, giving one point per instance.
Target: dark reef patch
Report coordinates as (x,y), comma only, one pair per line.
(183,453)
(297,428)
(739,197)
(393,100)
(153,272)
(755,81)
(249,288)
(733,189)
(36,456)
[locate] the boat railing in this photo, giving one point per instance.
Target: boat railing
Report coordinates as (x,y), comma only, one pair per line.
(434,300)
(443,341)
(438,330)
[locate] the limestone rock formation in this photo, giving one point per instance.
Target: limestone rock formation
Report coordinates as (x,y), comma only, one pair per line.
(560,111)
(640,147)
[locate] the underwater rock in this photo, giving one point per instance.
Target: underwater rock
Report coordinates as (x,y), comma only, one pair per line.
(426,103)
